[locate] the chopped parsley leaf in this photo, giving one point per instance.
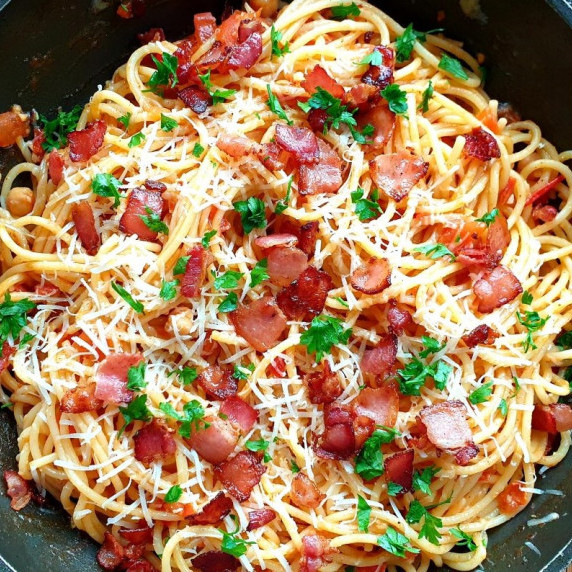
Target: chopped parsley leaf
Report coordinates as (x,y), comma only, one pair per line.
(136,377)
(228,280)
(503,407)
(343,11)
(453,66)
(435,251)
(181,265)
(56,130)
(136,410)
(363,514)
(489,218)
(374,58)
(106,185)
(165,74)
(174,494)
(232,544)
(13,317)
(229,304)
(405,43)
(294,467)
(275,37)
(241,372)
(422,480)
(259,273)
(527,298)
(366,209)
(533,323)
(153,221)
(168,289)
(282,204)
(137,306)
(191,419)
(431,346)
(186,375)
(395,543)
(396,98)
(394,489)
(168,123)
(466,540)
(275,106)
(342,301)
(427,95)
(136,140)
(218,95)
(206,239)
(324,333)
(198,150)
(252,213)
(369,461)
(415,373)
(481,394)
(125,119)
(564,340)
(430,523)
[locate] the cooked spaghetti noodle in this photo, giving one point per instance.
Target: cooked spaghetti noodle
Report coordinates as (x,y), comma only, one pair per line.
(85,459)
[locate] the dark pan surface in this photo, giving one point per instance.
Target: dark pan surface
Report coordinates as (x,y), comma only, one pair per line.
(56,52)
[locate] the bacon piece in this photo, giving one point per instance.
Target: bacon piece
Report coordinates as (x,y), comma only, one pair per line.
(544,213)
(111,378)
(380,359)
(319,77)
(261,323)
(205,26)
(482,334)
(195,272)
(496,288)
(383,121)
(399,319)
(141,535)
(243,55)
(381,76)
(553,418)
(215,443)
(239,412)
(154,443)
(305,297)
(372,277)
(360,96)
(304,493)
(7,352)
(506,192)
(498,238)
(335,413)
(481,145)
(186,69)
(249,27)
(317,118)
(260,517)
(465,454)
(315,549)
(18,489)
(137,204)
(12,126)
(512,499)
(380,404)
(151,35)
(213,58)
(55,167)
(399,469)
(196,98)
(240,474)
(285,264)
(272,156)
(540,193)
(218,382)
(111,554)
(213,512)
(139,565)
(152,185)
(308,237)
(324,177)
(338,442)
(447,426)
(324,386)
(299,141)
(80,399)
(84,220)
(85,143)
(363,429)
(476,259)
(272,240)
(38,142)
(397,173)
(215,561)
(236,145)
(278,367)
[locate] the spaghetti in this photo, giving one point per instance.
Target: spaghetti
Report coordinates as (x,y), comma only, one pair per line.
(443,254)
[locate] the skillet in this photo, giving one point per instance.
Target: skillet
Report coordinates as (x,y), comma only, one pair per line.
(56,52)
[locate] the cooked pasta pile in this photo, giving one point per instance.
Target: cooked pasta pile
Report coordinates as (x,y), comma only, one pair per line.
(124,297)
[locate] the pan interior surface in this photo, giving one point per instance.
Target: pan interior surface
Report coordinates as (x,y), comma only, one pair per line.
(69,48)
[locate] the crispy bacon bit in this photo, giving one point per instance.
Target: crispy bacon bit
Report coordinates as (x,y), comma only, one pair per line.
(380,404)
(239,412)
(261,323)
(383,121)
(195,272)
(215,561)
(37,143)
(315,549)
(335,413)
(381,76)
(361,95)
(506,192)
(319,77)
(213,512)
(141,535)
(154,442)
(498,238)
(139,565)
(512,499)
(218,382)
(18,489)
(152,35)
(7,352)
(447,427)
(304,493)
(324,177)
(305,297)
(272,156)
(55,167)
(277,367)
(205,26)
(540,193)
(152,185)
(372,277)
(381,359)
(196,98)
(240,474)
(338,442)
(111,378)
(324,386)
(553,418)
(299,141)
(86,143)
(399,319)
(544,213)
(308,237)
(213,58)
(249,27)
(285,264)
(80,400)
(481,145)
(215,443)
(496,288)
(399,469)
(236,145)
(465,454)
(186,68)
(363,429)
(244,55)
(482,334)
(397,173)
(274,240)
(12,126)
(111,554)
(258,518)
(84,220)
(137,204)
